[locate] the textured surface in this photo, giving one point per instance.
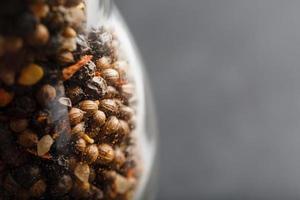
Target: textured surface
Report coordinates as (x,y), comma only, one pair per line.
(226,79)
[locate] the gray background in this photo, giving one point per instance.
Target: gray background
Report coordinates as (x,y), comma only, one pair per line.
(226,80)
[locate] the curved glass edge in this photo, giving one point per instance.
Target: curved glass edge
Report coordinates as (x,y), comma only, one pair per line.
(97,9)
(147,125)
(105,13)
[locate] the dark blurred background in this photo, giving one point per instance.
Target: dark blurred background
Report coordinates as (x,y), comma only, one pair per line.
(226,80)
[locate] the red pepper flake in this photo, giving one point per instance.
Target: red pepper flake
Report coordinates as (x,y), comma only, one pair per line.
(68,72)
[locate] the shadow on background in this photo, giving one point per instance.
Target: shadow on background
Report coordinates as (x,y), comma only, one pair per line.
(226,77)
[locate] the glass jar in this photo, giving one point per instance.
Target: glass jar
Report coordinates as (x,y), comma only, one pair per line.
(76,113)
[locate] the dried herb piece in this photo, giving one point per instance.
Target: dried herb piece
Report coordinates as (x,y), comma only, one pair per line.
(68,72)
(44,145)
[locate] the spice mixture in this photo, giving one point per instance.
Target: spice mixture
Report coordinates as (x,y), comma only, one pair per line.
(66,111)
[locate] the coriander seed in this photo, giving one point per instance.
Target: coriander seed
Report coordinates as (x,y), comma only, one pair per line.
(75,116)
(106,153)
(69,32)
(103,62)
(112,125)
(109,106)
(91,153)
(111,75)
(88,106)
(99,117)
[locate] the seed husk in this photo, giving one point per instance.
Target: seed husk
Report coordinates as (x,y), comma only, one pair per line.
(65,101)
(44,145)
(82,172)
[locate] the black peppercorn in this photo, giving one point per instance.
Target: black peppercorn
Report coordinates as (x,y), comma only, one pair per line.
(96,88)
(75,93)
(84,74)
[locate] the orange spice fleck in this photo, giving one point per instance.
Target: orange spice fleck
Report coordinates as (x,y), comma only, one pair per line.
(68,72)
